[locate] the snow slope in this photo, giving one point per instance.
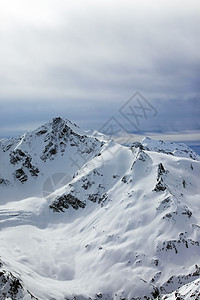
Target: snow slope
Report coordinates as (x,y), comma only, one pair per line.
(121,223)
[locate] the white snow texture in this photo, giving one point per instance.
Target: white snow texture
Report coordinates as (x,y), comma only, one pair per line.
(82,217)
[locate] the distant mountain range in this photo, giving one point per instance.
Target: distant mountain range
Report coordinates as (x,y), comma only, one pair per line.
(82,217)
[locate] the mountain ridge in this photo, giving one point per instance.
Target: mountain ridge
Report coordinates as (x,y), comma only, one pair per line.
(121,223)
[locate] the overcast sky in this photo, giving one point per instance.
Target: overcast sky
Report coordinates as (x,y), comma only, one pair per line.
(83,60)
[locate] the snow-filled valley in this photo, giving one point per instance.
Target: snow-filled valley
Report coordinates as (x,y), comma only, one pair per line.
(82,217)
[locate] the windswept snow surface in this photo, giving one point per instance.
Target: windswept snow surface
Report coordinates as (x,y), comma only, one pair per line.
(89,218)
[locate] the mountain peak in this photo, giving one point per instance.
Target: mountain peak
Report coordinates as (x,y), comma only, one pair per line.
(57,124)
(62,145)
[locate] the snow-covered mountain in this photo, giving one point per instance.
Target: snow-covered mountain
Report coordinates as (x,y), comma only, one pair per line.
(58,147)
(82,217)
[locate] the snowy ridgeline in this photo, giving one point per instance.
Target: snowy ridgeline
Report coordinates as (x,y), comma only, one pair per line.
(86,218)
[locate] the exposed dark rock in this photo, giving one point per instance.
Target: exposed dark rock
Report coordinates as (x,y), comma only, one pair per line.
(21,158)
(11,287)
(27,162)
(64,202)
(93,197)
(103,199)
(16,156)
(7,147)
(178,281)
(161,170)
(187,212)
(4,181)
(124,179)
(175,244)
(60,135)
(184,183)
(34,171)
(197,271)
(41,132)
(62,147)
(155,293)
(161,174)
(164,204)
(138,145)
(115,176)
(143,156)
(20,175)
(87,184)
(160,186)
(156,261)
(99,295)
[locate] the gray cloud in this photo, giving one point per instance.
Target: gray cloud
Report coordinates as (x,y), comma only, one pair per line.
(82,61)
(173,115)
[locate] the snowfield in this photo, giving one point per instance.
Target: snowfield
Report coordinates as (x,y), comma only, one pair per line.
(82,217)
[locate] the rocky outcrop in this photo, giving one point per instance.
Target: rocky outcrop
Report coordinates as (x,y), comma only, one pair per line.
(161,174)
(11,287)
(65,201)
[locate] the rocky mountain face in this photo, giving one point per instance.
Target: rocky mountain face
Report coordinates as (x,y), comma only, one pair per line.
(57,146)
(11,287)
(124,225)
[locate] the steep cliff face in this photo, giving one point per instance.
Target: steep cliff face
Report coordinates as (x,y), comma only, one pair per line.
(119,223)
